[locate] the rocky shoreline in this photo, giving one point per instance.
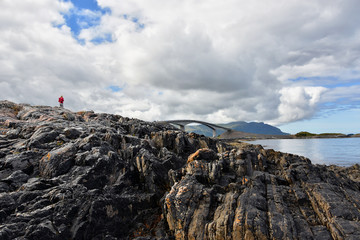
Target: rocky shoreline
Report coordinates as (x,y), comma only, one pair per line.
(86,175)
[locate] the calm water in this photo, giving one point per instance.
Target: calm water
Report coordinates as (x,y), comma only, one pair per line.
(338,151)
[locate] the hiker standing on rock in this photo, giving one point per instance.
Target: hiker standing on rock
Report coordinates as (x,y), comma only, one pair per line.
(61,101)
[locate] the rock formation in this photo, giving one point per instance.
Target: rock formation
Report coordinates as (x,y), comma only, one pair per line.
(86,175)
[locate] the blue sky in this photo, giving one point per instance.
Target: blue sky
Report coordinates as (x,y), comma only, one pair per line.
(344,121)
(294,65)
(85,15)
(76,19)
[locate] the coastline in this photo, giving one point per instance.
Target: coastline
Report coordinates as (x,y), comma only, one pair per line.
(236,135)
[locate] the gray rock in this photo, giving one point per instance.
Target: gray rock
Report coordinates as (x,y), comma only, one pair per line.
(41,137)
(72,133)
(66,175)
(16,179)
(58,161)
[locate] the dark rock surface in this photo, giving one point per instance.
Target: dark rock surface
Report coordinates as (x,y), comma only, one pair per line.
(84,175)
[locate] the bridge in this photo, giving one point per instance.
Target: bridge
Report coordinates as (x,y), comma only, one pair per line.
(182,123)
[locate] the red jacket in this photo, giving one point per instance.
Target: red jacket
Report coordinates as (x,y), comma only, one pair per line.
(61,100)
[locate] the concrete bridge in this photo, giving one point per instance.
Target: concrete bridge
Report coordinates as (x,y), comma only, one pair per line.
(182,123)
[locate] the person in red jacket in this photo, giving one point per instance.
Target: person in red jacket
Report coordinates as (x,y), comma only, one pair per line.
(61,101)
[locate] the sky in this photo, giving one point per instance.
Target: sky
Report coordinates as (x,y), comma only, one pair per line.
(290,63)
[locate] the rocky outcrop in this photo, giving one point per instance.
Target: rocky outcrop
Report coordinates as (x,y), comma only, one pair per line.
(252,193)
(84,175)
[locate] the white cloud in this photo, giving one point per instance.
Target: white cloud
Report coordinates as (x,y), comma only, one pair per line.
(211,60)
(298,103)
(348,96)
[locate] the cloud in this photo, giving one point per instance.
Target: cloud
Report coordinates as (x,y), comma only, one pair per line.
(298,102)
(207,60)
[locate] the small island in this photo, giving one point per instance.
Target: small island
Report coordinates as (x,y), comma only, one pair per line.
(304,134)
(237,135)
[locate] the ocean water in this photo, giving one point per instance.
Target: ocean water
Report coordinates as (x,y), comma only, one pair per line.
(329,151)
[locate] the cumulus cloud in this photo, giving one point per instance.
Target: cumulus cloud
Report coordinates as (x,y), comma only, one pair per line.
(298,102)
(215,61)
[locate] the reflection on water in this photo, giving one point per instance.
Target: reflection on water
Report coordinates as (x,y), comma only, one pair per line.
(338,151)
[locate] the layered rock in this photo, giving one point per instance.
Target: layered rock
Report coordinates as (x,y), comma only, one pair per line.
(84,175)
(254,193)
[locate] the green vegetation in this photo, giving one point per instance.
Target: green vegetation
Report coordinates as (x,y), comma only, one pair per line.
(305,134)
(321,135)
(330,134)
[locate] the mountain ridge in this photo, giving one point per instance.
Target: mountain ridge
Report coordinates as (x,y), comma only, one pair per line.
(241,126)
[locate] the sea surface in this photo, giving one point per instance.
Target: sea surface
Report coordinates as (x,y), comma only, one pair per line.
(329,151)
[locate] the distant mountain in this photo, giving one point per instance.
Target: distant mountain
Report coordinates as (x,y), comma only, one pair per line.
(251,127)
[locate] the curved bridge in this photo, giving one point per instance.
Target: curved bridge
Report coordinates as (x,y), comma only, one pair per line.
(182,123)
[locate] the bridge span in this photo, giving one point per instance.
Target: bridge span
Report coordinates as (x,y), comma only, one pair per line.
(183,123)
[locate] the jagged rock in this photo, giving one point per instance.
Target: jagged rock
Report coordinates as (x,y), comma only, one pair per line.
(72,133)
(16,179)
(66,175)
(58,161)
(203,154)
(293,199)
